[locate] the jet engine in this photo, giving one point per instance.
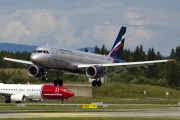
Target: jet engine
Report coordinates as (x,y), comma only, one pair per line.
(36,71)
(18,97)
(94,72)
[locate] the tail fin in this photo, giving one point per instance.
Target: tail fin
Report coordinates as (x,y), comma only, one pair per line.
(117,49)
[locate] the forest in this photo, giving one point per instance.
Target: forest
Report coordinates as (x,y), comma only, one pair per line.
(161,74)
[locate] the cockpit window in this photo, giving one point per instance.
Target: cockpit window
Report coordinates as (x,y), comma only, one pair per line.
(41,51)
(65,90)
(34,51)
(47,52)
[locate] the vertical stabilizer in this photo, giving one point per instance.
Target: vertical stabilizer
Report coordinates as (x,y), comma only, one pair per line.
(117,49)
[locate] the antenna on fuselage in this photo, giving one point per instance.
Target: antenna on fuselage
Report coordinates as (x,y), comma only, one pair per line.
(47,44)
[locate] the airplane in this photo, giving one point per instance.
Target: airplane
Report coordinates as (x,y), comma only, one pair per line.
(22,92)
(92,65)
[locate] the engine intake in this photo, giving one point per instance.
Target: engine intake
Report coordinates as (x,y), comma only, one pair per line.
(94,72)
(36,71)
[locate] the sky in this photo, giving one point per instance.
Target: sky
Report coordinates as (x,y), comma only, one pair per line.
(76,24)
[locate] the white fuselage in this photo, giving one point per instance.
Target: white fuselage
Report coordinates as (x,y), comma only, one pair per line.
(18,92)
(30,91)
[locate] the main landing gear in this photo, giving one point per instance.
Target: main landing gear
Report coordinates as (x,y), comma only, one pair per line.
(58,81)
(96,82)
(8,101)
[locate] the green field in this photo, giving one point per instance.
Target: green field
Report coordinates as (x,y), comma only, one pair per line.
(90,119)
(9,107)
(126,96)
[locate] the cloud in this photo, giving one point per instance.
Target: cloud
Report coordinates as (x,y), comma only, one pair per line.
(41,22)
(104,33)
(79,24)
(136,19)
(14,31)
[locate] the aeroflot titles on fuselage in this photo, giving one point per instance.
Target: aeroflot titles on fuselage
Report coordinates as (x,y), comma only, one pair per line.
(61,50)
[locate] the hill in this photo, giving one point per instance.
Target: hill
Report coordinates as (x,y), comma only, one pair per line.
(16,47)
(29,48)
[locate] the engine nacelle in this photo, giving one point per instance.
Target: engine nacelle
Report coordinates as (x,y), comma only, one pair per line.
(36,71)
(18,97)
(35,100)
(94,72)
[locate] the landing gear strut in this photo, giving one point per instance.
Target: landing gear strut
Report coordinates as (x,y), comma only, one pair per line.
(44,78)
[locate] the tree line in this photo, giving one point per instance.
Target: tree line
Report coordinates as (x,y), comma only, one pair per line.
(160,74)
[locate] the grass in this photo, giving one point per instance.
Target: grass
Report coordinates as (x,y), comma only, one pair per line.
(10,70)
(120,93)
(89,118)
(134,91)
(79,107)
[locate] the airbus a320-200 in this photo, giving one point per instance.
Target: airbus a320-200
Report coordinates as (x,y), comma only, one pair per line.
(92,65)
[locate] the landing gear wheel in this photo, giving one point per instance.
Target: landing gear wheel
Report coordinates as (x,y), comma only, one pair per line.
(8,101)
(99,83)
(55,82)
(18,101)
(60,82)
(44,78)
(94,82)
(61,102)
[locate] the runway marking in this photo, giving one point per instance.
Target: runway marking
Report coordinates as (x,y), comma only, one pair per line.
(108,114)
(68,114)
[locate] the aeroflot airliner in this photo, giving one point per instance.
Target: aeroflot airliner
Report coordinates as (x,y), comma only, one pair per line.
(78,62)
(19,93)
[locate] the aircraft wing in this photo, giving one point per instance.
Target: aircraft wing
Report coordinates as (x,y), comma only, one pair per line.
(126,64)
(18,61)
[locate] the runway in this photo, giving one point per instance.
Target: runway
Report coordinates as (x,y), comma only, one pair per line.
(170,113)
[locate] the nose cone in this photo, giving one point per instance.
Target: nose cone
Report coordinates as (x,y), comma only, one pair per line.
(36,59)
(70,93)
